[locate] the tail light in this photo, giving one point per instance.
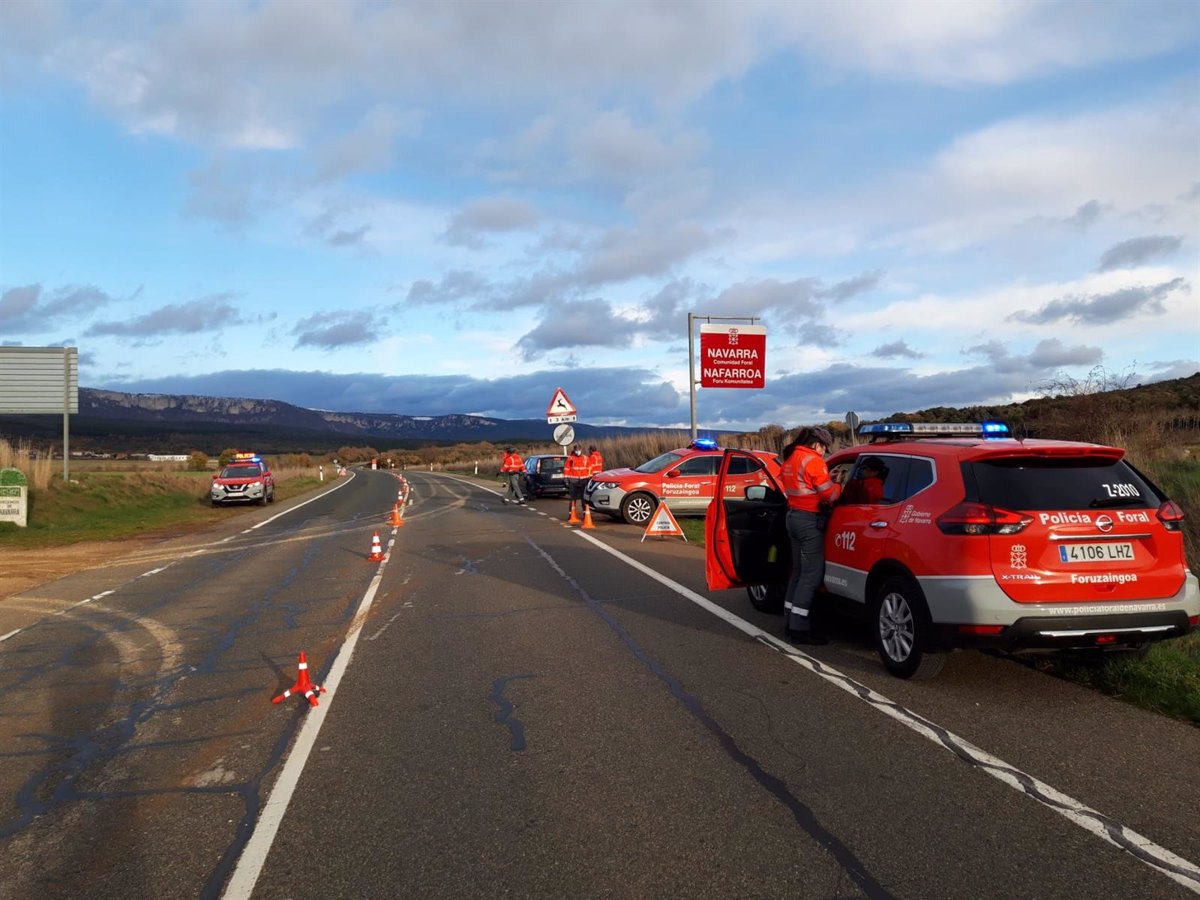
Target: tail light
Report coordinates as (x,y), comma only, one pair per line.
(1171,515)
(980,629)
(981,518)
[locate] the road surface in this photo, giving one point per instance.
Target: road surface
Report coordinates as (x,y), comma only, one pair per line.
(518,708)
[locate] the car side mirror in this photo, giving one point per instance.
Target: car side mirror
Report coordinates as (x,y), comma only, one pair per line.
(756,492)
(674,473)
(215,474)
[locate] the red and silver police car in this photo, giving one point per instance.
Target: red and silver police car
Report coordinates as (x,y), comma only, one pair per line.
(246,478)
(952,535)
(684,479)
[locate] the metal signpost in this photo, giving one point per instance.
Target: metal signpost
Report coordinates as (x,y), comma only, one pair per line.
(732,356)
(42,380)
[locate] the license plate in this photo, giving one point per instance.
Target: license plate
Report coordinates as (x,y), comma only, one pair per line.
(1100,551)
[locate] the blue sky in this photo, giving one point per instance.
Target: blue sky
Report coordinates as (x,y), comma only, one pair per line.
(458,207)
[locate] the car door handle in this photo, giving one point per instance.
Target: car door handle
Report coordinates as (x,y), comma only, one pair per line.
(879,524)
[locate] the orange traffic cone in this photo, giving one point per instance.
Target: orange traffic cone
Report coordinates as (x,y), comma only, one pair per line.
(587,517)
(574,519)
(302,686)
(376,550)
(396,520)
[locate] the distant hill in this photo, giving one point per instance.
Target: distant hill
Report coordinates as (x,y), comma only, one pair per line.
(111,421)
(1080,414)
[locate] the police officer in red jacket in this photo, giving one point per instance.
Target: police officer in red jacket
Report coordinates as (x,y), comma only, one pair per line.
(576,470)
(810,492)
(511,470)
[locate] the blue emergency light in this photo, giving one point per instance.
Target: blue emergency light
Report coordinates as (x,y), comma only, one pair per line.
(703,444)
(988,429)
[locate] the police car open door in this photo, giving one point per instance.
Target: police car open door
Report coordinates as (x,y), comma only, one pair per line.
(746,540)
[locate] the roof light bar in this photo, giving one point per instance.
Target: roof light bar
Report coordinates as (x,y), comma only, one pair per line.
(988,429)
(703,444)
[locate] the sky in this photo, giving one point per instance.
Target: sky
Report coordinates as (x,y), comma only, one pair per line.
(458,207)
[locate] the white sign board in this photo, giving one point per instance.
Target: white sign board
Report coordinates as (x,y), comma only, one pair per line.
(39,380)
(564,434)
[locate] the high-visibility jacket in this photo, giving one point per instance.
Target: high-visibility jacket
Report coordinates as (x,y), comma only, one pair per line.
(595,463)
(577,466)
(806,480)
(512,463)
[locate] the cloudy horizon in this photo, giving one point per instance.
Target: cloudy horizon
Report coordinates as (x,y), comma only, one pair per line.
(427,210)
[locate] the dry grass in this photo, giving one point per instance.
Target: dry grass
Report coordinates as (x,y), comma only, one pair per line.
(37,466)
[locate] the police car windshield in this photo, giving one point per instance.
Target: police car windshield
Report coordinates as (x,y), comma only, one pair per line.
(244,470)
(659,463)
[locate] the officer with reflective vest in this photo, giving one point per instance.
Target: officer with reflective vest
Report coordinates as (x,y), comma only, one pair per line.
(576,470)
(511,470)
(595,461)
(810,492)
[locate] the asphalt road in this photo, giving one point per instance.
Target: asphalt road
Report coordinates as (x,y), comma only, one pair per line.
(518,708)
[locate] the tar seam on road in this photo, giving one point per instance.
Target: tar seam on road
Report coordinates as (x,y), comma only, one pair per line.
(505,714)
(1141,848)
(804,816)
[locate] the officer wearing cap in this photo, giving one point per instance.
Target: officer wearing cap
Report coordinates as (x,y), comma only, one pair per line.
(809,491)
(511,470)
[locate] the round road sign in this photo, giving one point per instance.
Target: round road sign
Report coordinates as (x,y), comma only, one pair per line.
(564,434)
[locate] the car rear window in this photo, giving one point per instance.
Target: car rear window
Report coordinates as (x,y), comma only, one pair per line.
(1077,482)
(551,465)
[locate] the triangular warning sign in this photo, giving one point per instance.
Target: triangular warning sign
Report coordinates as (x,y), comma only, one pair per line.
(663,524)
(560,409)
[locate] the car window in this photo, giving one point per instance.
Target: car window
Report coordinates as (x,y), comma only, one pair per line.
(531,465)
(240,472)
(1079,482)
(920,476)
(745,465)
(699,465)
(552,465)
(665,461)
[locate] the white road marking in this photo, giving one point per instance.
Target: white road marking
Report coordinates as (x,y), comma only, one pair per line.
(1141,848)
(254,856)
(12,633)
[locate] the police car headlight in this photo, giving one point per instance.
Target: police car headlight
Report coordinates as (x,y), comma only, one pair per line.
(605,485)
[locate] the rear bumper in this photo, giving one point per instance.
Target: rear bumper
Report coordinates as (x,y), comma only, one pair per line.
(957,602)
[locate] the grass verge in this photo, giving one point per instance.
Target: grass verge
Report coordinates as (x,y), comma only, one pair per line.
(114,505)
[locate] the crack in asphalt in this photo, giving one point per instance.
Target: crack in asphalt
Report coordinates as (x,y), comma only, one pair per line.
(845,858)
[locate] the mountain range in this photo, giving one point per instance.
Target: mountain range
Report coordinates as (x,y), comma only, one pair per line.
(112,420)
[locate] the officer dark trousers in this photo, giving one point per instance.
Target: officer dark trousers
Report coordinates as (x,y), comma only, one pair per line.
(808,569)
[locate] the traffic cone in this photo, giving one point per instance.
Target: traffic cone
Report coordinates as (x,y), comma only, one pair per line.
(587,517)
(302,686)
(574,519)
(376,550)
(397,521)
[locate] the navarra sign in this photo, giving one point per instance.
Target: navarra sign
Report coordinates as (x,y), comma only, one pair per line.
(733,356)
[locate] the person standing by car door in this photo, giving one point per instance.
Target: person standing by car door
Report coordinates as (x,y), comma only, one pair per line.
(810,491)
(511,469)
(595,462)
(576,471)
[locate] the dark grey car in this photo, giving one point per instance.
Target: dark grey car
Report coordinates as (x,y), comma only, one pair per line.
(543,476)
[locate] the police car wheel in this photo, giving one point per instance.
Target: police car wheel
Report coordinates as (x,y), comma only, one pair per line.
(271,496)
(767,598)
(637,509)
(902,630)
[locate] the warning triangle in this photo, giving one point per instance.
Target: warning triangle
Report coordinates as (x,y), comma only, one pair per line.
(663,524)
(560,406)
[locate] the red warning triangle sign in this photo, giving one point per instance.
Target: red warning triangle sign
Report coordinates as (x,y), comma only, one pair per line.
(560,409)
(663,524)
